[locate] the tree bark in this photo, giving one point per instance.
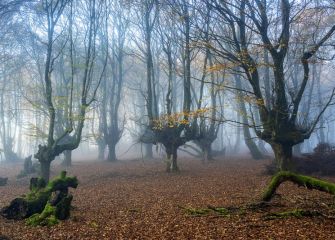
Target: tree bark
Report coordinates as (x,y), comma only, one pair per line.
(283,156)
(45,169)
(148,154)
(171,152)
(67,158)
(101,151)
(111,152)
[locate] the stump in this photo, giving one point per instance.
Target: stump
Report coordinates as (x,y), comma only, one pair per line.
(45,204)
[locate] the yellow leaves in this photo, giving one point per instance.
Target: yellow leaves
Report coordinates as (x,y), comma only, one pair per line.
(176,119)
(251,100)
(93,224)
(221,66)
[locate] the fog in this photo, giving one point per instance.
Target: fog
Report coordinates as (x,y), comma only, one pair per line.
(109,80)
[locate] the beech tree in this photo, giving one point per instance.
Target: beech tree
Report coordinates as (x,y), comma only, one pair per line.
(70,138)
(250,26)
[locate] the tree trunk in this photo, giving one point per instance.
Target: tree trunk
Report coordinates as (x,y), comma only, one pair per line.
(101,151)
(45,169)
(174,166)
(254,150)
(207,152)
(111,152)
(43,197)
(297,149)
(283,156)
(171,152)
(148,151)
(67,158)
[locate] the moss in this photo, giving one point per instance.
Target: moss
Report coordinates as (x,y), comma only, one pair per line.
(197,211)
(36,205)
(220,210)
(298,213)
(46,218)
(301,180)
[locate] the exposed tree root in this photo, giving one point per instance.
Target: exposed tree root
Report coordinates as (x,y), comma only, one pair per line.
(300,180)
(298,213)
(205,211)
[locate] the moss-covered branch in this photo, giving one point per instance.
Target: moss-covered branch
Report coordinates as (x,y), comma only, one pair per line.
(301,180)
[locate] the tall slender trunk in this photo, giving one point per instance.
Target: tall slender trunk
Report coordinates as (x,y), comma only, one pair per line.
(255,152)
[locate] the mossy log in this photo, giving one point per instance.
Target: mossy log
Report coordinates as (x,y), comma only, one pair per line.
(44,203)
(300,180)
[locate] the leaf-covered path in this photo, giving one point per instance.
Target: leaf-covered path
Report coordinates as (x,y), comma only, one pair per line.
(139,200)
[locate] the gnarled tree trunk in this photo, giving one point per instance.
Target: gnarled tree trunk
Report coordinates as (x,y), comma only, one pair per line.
(283,156)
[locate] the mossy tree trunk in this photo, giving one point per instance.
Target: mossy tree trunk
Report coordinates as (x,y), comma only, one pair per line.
(42,198)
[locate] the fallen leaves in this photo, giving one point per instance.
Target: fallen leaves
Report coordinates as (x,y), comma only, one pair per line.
(139,200)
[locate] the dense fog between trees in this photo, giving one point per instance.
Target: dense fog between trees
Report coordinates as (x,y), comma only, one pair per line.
(113,80)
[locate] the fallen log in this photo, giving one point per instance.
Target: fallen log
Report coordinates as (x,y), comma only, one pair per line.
(300,180)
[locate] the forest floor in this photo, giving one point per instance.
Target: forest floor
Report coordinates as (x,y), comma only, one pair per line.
(139,200)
